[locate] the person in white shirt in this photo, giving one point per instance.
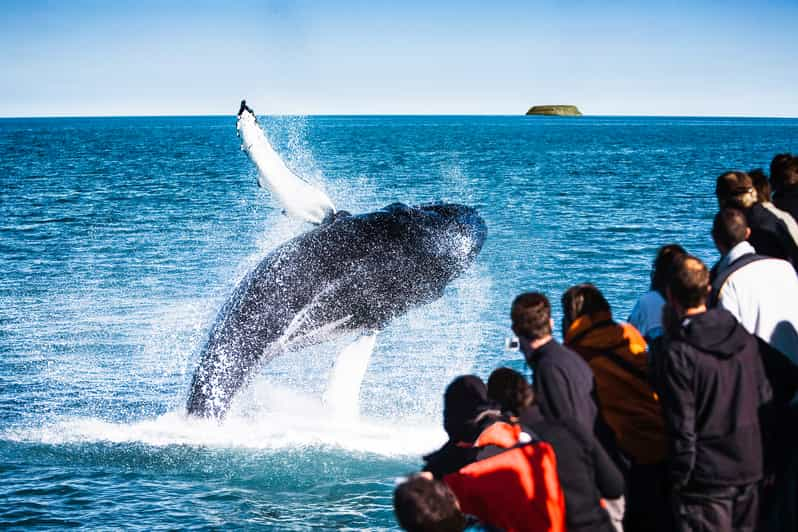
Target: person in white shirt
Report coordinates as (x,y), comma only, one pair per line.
(761,292)
(646,315)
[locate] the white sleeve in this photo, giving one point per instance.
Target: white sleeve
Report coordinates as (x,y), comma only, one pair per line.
(727,298)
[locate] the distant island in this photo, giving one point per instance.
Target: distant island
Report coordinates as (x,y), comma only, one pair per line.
(554,110)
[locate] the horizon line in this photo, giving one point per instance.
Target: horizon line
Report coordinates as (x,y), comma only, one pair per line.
(214,115)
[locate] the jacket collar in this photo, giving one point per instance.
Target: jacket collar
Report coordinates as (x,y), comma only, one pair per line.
(740,250)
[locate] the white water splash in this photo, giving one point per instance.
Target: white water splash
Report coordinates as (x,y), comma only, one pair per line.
(291,419)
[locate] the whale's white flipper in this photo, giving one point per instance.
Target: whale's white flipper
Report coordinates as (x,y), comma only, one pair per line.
(343,388)
(298,197)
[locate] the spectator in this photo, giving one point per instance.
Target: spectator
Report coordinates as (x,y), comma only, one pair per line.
(769,234)
(784,180)
(563,382)
(761,292)
(423,504)
(510,481)
(760,182)
(617,355)
(712,384)
(586,472)
(646,315)
(467,411)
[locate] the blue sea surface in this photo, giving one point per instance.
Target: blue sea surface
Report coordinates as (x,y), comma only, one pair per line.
(120,239)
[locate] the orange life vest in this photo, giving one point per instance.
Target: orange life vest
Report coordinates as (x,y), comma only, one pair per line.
(517,489)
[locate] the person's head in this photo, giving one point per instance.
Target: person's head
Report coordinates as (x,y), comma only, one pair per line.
(531,316)
(582,300)
(510,389)
(735,189)
(465,400)
(784,172)
(422,504)
(761,184)
(663,265)
(729,228)
(689,285)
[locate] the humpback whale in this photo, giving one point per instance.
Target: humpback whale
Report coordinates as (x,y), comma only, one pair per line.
(349,274)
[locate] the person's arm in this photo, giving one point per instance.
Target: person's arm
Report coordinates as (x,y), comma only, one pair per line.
(781,374)
(727,299)
(678,408)
(609,479)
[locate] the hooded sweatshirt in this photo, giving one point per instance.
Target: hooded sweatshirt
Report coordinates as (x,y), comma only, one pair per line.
(467,411)
(712,383)
(617,355)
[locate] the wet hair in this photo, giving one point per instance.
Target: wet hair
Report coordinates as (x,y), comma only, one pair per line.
(690,282)
(531,315)
(761,185)
(663,266)
(426,505)
(729,227)
(582,300)
(510,389)
(784,171)
(735,189)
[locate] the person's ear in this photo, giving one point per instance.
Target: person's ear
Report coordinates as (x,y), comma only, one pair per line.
(747,233)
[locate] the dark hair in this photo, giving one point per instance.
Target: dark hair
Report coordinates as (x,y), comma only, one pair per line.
(690,282)
(510,389)
(784,171)
(531,315)
(761,185)
(425,505)
(663,266)
(582,300)
(735,189)
(729,227)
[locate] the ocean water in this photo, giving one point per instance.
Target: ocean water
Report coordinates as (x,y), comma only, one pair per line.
(120,238)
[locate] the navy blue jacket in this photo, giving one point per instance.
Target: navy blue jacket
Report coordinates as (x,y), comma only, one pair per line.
(564,385)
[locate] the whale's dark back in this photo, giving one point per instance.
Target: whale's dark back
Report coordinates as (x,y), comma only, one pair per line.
(351,273)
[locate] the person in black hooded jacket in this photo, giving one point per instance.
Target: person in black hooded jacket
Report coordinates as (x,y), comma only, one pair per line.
(712,384)
(467,411)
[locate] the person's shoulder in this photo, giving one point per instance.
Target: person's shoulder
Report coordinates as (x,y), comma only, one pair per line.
(650,299)
(559,355)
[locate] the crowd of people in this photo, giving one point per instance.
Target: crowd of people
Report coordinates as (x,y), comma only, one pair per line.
(685,418)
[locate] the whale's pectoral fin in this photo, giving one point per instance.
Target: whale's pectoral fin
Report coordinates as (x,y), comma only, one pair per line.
(299,198)
(343,388)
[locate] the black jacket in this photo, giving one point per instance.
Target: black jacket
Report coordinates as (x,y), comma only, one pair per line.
(563,384)
(770,236)
(712,383)
(586,472)
(787,200)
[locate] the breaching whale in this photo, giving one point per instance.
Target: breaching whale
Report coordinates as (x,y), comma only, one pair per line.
(350,274)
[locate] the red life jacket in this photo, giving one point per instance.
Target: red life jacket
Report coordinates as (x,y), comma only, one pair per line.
(517,489)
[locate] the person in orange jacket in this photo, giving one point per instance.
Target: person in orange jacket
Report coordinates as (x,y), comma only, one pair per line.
(617,354)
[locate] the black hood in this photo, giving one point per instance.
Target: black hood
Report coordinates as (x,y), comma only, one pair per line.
(716,332)
(464,402)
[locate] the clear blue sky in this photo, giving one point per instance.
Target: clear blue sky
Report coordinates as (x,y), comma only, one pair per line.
(347,57)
